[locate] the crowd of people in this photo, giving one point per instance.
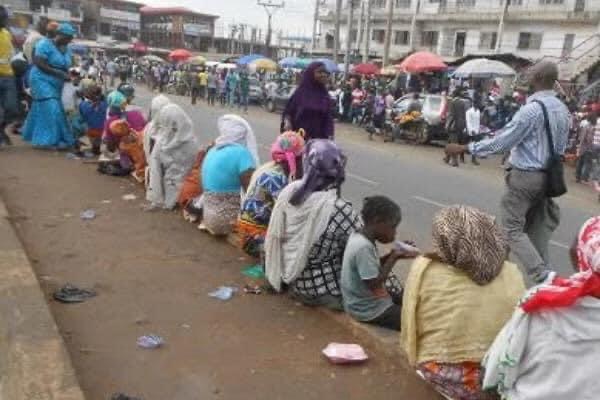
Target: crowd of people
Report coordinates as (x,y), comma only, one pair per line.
(456,310)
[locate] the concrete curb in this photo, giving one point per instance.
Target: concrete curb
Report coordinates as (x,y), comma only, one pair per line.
(34,362)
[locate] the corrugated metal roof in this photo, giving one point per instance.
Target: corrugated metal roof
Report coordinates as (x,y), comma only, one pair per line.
(172,11)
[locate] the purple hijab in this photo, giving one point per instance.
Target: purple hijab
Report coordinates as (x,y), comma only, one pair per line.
(309,108)
(324,169)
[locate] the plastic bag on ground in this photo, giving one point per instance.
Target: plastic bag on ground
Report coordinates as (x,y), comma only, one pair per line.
(339,353)
(150,341)
(223,293)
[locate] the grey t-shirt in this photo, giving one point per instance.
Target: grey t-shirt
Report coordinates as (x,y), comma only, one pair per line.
(361,263)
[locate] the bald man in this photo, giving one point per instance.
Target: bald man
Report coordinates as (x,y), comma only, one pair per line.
(529,216)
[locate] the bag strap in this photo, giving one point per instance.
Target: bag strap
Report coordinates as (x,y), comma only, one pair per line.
(548,129)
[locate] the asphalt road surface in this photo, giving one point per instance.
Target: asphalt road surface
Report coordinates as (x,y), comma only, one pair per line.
(414,176)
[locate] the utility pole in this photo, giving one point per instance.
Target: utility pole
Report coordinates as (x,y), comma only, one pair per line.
(501,27)
(271,8)
(349,36)
(388,33)
(367,31)
(336,32)
(318,4)
(361,17)
(413,27)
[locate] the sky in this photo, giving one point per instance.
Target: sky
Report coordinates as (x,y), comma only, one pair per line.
(295,18)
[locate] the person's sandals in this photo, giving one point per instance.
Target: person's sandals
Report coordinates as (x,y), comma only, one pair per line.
(72,294)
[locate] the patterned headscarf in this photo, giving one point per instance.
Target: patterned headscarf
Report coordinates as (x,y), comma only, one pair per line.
(119,128)
(470,240)
(563,292)
(286,148)
(324,168)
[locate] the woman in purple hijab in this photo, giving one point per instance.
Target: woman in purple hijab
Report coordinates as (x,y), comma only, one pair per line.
(309,108)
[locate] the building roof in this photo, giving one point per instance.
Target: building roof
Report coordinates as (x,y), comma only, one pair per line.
(173,11)
(130,2)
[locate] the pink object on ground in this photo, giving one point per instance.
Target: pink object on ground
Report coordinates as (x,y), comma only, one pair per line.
(339,353)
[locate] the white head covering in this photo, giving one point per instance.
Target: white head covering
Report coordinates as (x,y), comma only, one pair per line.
(235,129)
(175,128)
(151,132)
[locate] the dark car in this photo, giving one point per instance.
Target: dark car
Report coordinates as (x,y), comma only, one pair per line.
(280,98)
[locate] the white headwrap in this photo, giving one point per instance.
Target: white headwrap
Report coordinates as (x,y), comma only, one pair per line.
(151,132)
(235,129)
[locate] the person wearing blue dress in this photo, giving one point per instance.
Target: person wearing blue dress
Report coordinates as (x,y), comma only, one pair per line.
(46,125)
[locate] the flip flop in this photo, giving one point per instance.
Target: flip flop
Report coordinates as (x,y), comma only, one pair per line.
(72,294)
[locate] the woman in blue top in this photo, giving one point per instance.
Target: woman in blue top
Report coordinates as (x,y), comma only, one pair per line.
(226,171)
(46,124)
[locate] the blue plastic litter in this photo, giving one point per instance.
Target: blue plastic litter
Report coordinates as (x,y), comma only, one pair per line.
(150,341)
(87,215)
(224,293)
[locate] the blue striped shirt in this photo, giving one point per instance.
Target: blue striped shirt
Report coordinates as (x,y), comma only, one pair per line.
(525,134)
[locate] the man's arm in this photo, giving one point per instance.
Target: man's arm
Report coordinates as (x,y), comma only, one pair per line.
(513,134)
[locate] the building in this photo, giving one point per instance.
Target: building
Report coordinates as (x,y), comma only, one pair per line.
(177,27)
(567,31)
(112,20)
(27,12)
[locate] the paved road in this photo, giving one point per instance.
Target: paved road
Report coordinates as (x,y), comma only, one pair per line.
(414,176)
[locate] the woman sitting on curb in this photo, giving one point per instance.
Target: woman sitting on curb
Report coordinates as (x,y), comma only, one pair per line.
(457,299)
(309,228)
(550,348)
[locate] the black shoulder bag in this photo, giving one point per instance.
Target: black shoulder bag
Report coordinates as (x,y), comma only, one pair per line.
(555,185)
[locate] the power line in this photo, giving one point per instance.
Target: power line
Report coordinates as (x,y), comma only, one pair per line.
(271,8)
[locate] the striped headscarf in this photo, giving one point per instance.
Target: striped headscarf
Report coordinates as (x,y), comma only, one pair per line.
(470,240)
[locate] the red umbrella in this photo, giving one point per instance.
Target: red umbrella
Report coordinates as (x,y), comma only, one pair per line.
(139,47)
(366,69)
(422,61)
(180,55)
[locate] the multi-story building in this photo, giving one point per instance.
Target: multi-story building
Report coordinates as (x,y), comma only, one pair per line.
(112,19)
(564,30)
(28,11)
(177,27)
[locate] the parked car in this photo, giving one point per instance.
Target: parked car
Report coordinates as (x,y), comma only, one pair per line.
(280,98)
(401,105)
(435,111)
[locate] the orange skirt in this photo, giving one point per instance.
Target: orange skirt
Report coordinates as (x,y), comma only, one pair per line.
(94,133)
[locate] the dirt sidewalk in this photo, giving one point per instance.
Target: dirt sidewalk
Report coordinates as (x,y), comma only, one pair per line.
(152,273)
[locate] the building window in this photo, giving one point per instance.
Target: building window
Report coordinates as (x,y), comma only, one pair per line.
(353,35)
(465,3)
(378,35)
(429,38)
(552,2)
(401,38)
(378,3)
(530,41)
(487,40)
(402,4)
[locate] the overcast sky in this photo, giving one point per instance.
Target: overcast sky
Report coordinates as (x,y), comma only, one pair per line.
(295,18)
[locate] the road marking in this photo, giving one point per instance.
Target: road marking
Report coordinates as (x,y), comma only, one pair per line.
(441,205)
(429,201)
(363,180)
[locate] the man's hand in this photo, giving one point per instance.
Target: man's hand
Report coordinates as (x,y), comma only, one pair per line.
(455,149)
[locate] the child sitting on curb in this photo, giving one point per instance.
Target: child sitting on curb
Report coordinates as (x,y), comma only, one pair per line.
(364,273)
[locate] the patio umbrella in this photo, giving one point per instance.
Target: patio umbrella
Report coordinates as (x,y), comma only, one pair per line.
(139,47)
(180,55)
(265,64)
(153,58)
(303,63)
(484,68)
(245,60)
(329,65)
(197,60)
(422,61)
(288,62)
(78,48)
(366,69)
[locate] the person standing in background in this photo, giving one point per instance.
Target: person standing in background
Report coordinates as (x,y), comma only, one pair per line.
(456,124)
(586,150)
(212,87)
(232,84)
(9,109)
(244,88)
(203,82)
(33,37)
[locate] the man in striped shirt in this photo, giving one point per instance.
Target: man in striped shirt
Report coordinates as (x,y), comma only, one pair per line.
(528,214)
